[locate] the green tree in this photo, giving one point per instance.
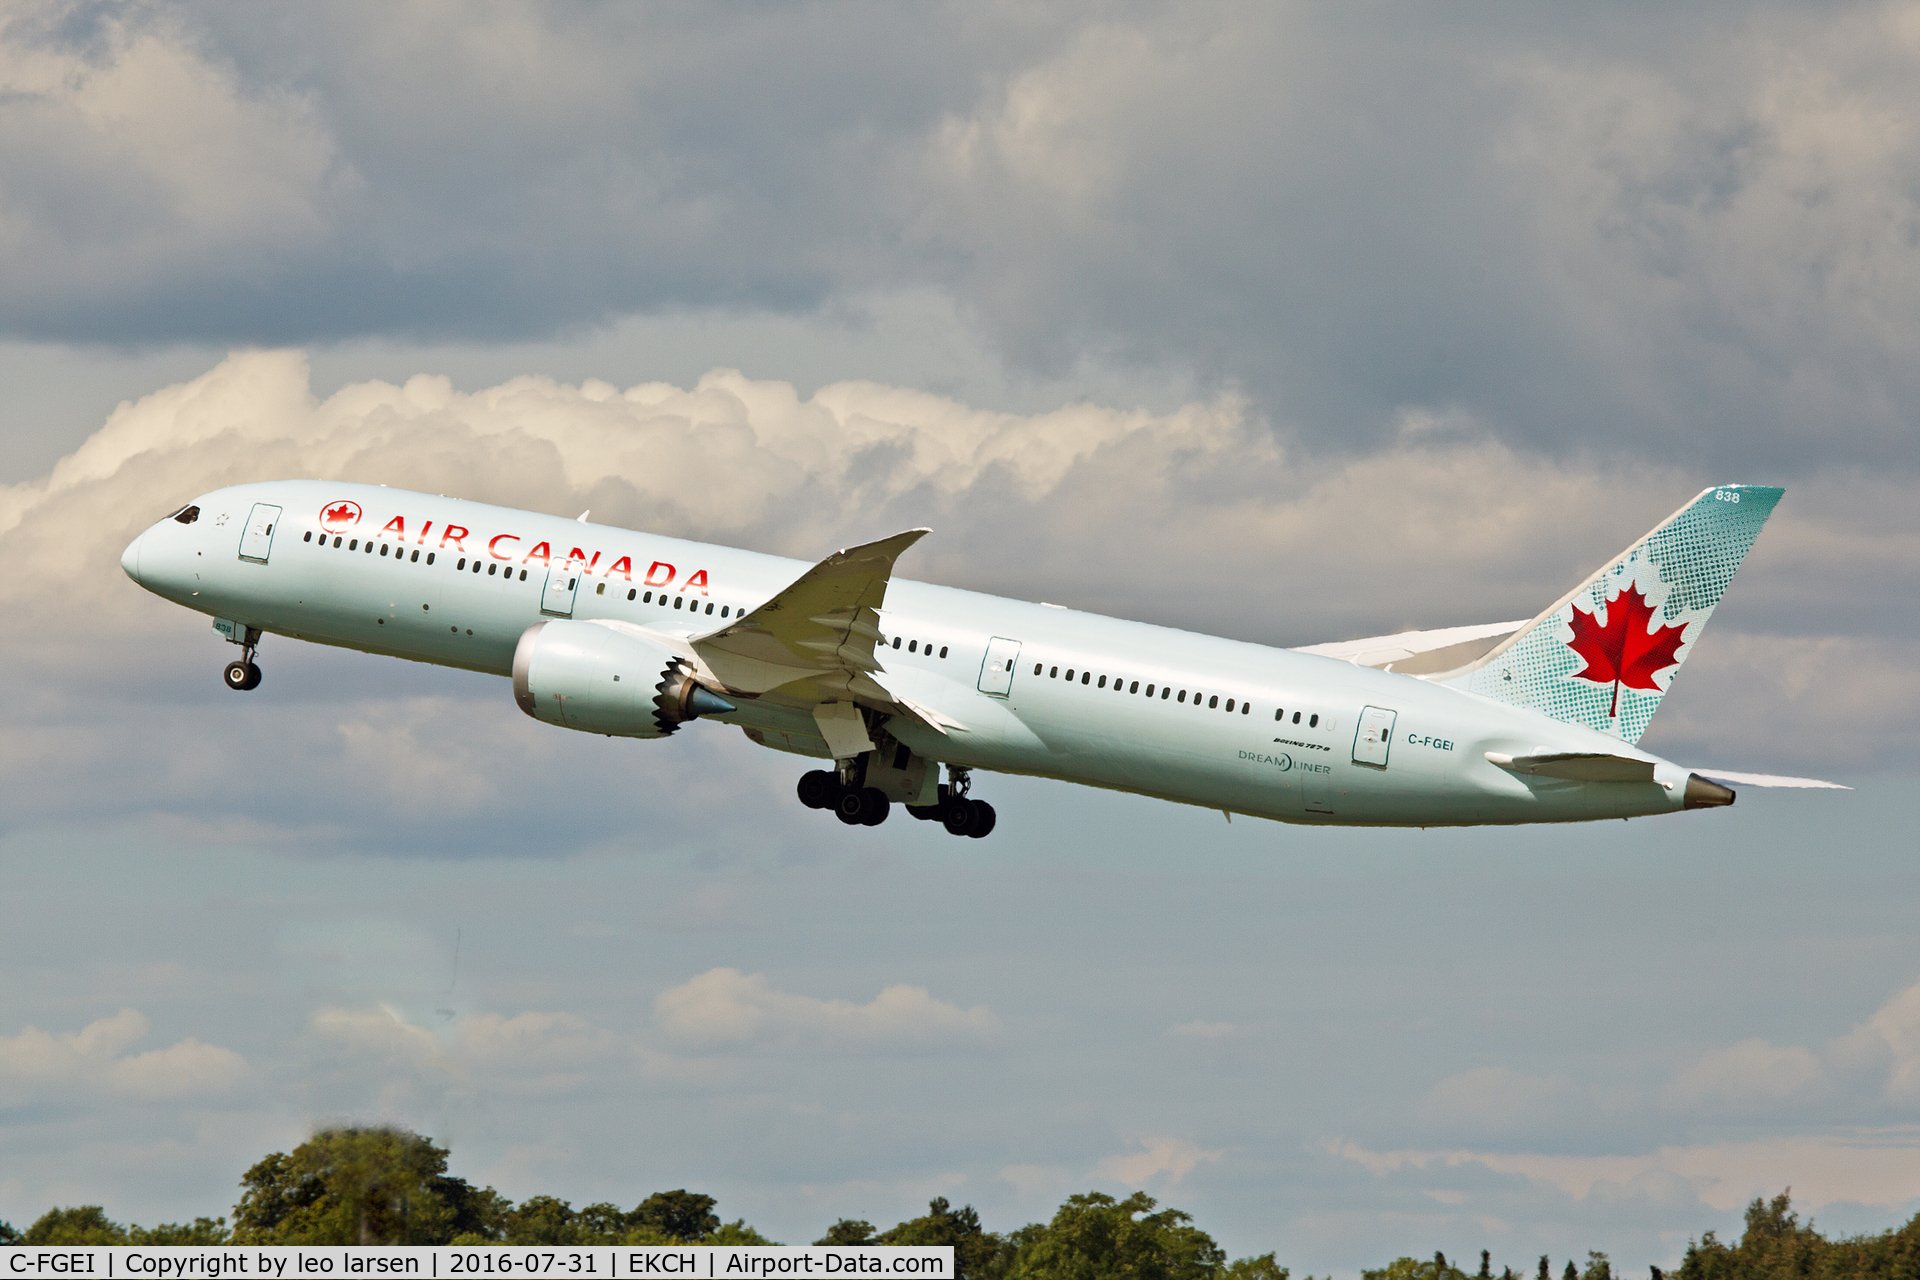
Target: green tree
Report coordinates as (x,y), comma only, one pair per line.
(736,1232)
(1598,1267)
(974,1249)
(684,1215)
(85,1224)
(849,1231)
(363,1186)
(199,1231)
(1095,1236)
(542,1220)
(1414,1269)
(1261,1268)
(7,1234)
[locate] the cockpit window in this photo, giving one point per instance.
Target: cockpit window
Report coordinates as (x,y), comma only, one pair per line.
(186,515)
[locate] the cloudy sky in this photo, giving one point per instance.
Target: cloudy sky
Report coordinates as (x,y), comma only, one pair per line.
(1290,323)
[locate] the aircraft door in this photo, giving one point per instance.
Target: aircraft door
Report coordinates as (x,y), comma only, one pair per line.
(557,598)
(256,540)
(1374,736)
(996,672)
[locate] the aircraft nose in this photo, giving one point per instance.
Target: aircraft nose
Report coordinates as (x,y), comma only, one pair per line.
(130,559)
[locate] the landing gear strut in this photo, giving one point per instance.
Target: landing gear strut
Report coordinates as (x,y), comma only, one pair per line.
(243,674)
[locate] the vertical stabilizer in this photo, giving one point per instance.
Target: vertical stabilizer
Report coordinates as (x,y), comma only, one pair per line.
(1606,653)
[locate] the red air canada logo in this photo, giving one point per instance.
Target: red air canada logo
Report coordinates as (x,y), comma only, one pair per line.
(339,515)
(1625,649)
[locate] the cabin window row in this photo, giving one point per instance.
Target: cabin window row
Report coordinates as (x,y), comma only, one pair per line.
(1313,721)
(678,601)
(914,646)
(353,544)
(1165,692)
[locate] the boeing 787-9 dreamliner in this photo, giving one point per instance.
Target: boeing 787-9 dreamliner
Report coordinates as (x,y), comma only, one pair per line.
(886,681)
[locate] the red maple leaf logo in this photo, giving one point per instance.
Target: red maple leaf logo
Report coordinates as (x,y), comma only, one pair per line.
(1625,649)
(343,513)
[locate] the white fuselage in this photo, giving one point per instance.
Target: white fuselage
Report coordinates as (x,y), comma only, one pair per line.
(447,581)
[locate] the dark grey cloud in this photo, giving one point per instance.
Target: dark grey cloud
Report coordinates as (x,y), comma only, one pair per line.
(1675,236)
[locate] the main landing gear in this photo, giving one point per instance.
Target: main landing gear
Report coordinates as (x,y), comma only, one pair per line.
(243,674)
(859,805)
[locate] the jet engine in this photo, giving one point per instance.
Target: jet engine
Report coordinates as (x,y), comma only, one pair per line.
(581,675)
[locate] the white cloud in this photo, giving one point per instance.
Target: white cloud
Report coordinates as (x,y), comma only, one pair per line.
(35,1062)
(727,1009)
(1173,1158)
(1201,1029)
(1864,1166)
(1749,1070)
(1491,1100)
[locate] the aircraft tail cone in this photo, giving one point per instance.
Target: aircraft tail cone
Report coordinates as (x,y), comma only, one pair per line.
(1705,794)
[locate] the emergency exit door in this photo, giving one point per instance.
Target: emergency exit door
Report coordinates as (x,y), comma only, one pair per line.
(256,540)
(1374,737)
(557,598)
(996,672)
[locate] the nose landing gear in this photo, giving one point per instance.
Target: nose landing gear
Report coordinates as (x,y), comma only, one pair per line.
(243,675)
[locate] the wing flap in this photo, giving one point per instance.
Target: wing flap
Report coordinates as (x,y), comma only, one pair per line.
(823,627)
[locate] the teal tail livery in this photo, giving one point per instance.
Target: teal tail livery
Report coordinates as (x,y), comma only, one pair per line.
(903,691)
(1606,653)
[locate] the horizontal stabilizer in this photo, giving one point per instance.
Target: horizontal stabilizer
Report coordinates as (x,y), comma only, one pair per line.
(1577,766)
(1767,780)
(1419,653)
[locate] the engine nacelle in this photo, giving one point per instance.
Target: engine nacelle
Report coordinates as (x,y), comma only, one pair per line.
(581,675)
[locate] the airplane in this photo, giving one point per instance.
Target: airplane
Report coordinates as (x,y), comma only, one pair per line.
(887,681)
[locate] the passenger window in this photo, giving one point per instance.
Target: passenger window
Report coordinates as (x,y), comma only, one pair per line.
(600,590)
(678,601)
(1103,682)
(523,575)
(336,542)
(354,545)
(1165,689)
(369,547)
(1183,695)
(430,561)
(1314,723)
(414,558)
(383,548)
(709,609)
(309,537)
(492,569)
(649,599)
(1036,668)
(1245,707)
(1279,713)
(896,642)
(1054,674)
(1149,691)
(1229,704)
(913,646)
(1069,673)
(1085,676)
(631,593)
(723,610)
(943,651)
(1134,687)
(1213,703)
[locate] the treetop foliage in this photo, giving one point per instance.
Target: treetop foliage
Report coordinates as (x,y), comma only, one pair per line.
(376,1185)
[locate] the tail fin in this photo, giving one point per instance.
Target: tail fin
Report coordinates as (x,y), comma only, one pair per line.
(1606,653)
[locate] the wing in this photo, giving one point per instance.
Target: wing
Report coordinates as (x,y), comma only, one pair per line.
(1766,780)
(1420,653)
(814,641)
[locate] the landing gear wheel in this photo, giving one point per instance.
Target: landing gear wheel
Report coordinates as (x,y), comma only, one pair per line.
(863,807)
(966,817)
(818,789)
(983,819)
(242,676)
